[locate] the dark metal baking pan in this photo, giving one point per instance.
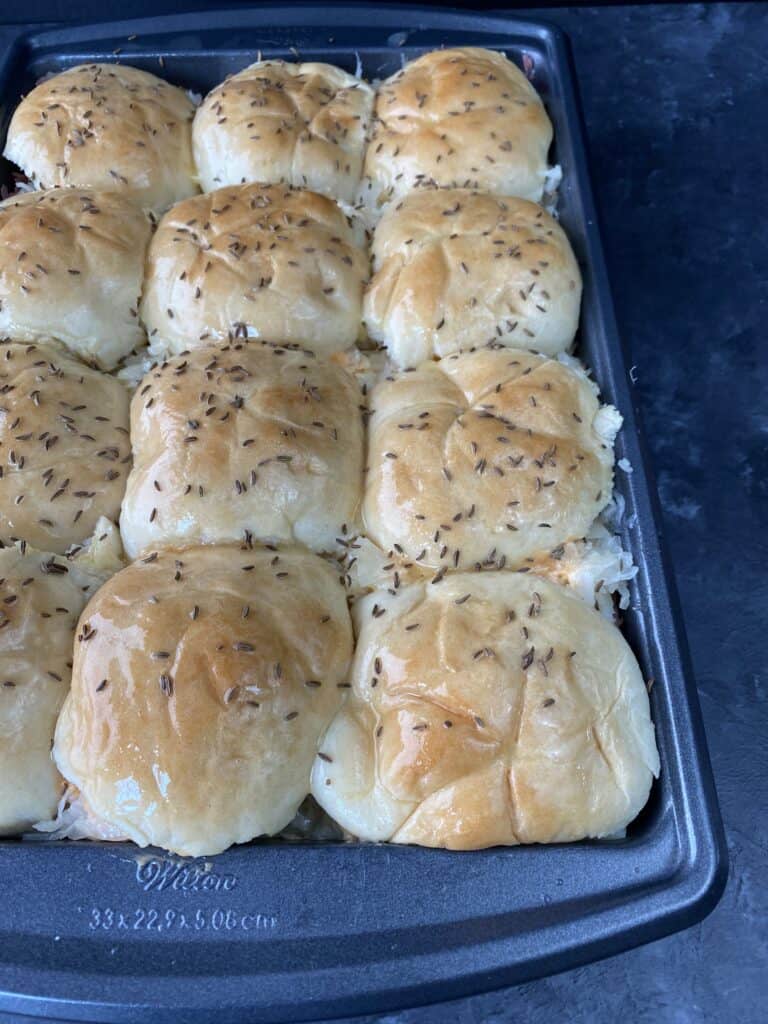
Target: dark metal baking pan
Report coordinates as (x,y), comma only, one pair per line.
(279,932)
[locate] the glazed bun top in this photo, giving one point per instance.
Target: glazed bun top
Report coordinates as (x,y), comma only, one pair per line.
(244,440)
(284,123)
(71,270)
(488,709)
(109,127)
(64,447)
(466,118)
(457,270)
(41,596)
(266,261)
(486,459)
(202,681)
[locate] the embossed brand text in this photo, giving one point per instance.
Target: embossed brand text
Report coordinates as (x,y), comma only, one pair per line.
(157,875)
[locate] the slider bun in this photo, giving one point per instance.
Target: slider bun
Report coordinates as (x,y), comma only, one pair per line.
(475,734)
(279,122)
(222,669)
(273,437)
(464,117)
(42,597)
(255,260)
(456,269)
(110,127)
(64,447)
(485,458)
(71,267)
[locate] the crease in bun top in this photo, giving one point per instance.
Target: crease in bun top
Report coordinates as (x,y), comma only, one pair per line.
(71,270)
(455,269)
(489,709)
(64,447)
(41,595)
(265,261)
(486,459)
(106,126)
(201,684)
(464,117)
(242,441)
(280,122)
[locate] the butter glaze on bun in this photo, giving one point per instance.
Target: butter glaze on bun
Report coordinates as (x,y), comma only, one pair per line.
(71,270)
(64,447)
(202,681)
(284,123)
(109,127)
(456,269)
(488,709)
(247,440)
(41,598)
(466,118)
(485,459)
(264,261)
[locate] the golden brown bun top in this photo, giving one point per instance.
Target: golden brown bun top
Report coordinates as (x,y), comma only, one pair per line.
(272,262)
(106,126)
(456,269)
(202,681)
(41,597)
(465,117)
(71,268)
(64,447)
(484,459)
(281,122)
(489,708)
(247,439)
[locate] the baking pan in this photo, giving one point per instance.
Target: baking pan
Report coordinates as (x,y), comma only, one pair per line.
(277,932)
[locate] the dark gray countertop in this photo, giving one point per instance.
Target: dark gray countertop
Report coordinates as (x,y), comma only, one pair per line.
(675,102)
